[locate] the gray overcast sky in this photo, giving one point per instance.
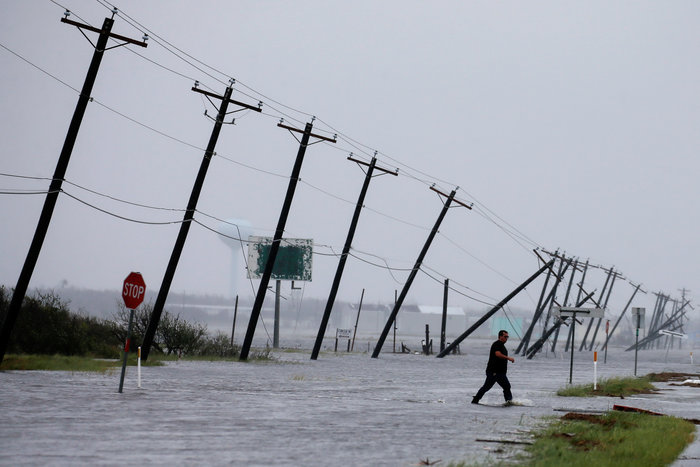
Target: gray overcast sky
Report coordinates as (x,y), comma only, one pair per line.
(572,124)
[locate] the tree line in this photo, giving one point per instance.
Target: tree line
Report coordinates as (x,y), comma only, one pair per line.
(47,326)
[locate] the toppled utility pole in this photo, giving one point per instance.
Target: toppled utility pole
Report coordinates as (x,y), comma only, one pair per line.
(493,310)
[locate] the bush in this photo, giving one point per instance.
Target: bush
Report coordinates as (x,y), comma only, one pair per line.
(45,325)
(173,335)
(218,346)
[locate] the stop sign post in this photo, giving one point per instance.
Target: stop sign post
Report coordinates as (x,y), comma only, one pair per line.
(133,291)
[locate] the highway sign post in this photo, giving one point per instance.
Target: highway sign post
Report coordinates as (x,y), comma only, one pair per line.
(564,311)
(637,313)
(133,292)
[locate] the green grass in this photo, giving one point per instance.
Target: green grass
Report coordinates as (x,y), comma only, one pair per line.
(101,365)
(613,387)
(56,363)
(615,439)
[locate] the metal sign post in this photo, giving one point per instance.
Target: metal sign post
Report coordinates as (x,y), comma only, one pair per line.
(639,314)
(607,337)
(562,311)
(133,291)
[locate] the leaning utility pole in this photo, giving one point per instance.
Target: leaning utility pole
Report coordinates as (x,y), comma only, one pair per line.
(566,301)
(578,297)
(416,268)
(526,336)
(277,239)
(629,302)
(600,300)
(60,171)
(540,342)
(605,306)
(563,266)
(346,250)
(189,213)
(493,310)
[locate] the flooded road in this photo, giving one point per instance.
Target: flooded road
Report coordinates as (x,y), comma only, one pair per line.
(343,409)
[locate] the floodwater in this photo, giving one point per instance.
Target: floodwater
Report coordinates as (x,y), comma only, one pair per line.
(343,409)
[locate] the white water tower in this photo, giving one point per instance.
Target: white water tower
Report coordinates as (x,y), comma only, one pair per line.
(235,233)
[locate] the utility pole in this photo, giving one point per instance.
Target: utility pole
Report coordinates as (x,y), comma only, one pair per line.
(446,291)
(565,302)
(540,342)
(526,337)
(563,266)
(60,171)
(493,310)
(346,250)
(416,267)
(629,302)
(191,208)
(600,299)
(578,298)
(279,231)
(615,275)
(357,320)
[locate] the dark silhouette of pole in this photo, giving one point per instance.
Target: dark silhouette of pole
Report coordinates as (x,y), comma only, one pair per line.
(58,176)
(343,258)
(653,335)
(565,302)
(187,218)
(600,300)
(525,340)
(235,313)
(540,342)
(605,306)
(563,266)
(412,275)
(578,298)
(357,320)
(444,314)
(277,239)
(629,302)
(493,310)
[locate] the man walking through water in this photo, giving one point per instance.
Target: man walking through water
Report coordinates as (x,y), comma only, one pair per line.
(496,369)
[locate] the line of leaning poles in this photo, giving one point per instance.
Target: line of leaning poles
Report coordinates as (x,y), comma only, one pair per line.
(660,320)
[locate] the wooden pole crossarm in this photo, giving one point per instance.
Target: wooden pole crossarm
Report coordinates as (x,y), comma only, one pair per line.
(216,96)
(291,128)
(350,158)
(455,200)
(556,255)
(97,30)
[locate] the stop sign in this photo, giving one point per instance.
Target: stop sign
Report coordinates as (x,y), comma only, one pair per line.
(134,290)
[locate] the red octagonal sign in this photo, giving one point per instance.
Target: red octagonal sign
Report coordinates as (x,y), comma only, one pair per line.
(134,290)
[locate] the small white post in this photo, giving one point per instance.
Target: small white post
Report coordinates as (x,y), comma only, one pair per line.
(691,358)
(138,367)
(595,371)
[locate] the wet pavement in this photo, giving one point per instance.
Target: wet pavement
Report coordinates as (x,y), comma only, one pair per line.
(343,409)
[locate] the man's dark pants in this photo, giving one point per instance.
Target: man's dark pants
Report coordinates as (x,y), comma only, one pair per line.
(491,379)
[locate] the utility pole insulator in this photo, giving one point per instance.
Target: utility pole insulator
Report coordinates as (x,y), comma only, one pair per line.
(291,128)
(128,40)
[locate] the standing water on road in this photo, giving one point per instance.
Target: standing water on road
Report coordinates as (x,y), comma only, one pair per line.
(342,409)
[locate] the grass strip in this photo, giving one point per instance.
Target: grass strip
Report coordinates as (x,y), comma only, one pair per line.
(612,387)
(613,439)
(66,363)
(23,362)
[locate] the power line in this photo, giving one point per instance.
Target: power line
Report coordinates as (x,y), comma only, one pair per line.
(517,236)
(355,143)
